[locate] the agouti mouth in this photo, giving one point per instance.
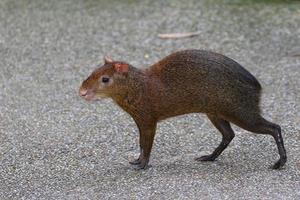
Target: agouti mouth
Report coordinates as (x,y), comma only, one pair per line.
(86,94)
(89,97)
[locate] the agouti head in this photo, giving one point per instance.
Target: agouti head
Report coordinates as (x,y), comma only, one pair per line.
(105,81)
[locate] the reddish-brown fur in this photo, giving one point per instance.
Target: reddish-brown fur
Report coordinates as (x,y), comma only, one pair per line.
(190,81)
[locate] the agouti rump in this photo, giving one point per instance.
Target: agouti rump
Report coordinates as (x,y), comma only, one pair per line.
(189,81)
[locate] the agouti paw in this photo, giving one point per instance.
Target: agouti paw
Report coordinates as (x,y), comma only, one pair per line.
(206,158)
(279,164)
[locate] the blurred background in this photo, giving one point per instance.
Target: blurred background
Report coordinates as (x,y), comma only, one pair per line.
(53,144)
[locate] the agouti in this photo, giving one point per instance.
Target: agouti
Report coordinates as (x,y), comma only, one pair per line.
(189,81)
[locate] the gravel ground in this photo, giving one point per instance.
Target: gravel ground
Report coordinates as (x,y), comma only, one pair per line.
(54,145)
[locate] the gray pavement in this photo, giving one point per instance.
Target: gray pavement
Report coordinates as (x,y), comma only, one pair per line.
(54,145)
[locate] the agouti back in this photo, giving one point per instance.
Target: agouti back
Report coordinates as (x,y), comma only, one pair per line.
(189,81)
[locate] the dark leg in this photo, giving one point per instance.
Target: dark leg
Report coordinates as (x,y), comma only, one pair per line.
(224,127)
(147,133)
(261,126)
(280,145)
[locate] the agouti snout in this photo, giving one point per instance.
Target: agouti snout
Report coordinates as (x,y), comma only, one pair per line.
(190,81)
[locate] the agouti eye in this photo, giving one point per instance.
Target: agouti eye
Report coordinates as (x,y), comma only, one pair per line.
(105,80)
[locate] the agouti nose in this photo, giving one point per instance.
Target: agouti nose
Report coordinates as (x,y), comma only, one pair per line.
(83,92)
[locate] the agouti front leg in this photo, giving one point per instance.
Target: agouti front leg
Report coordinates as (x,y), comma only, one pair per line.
(147,133)
(138,161)
(224,127)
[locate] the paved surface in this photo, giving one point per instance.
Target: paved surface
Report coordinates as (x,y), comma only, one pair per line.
(54,145)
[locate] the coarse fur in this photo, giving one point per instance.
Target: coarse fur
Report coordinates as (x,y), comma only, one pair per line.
(189,81)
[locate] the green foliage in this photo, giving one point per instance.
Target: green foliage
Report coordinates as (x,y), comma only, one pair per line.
(241,2)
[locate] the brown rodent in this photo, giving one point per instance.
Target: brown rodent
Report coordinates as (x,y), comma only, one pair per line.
(189,81)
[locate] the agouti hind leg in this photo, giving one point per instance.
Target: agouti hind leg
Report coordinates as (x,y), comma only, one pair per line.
(261,126)
(224,127)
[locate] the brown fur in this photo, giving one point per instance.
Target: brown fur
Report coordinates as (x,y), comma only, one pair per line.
(190,81)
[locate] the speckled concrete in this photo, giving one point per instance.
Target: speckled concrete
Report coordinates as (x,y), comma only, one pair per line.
(54,145)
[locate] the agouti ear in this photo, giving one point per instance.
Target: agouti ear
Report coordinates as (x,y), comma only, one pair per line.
(121,67)
(107,60)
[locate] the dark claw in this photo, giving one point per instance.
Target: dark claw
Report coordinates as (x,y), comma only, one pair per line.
(135,162)
(142,165)
(206,158)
